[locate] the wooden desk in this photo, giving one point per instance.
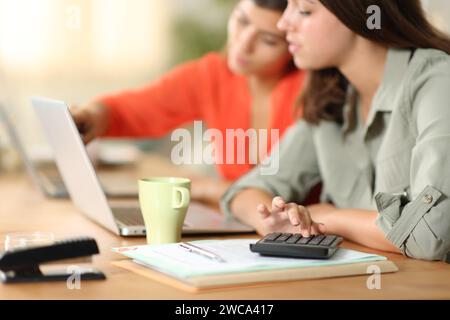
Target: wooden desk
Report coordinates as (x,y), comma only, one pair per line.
(23,209)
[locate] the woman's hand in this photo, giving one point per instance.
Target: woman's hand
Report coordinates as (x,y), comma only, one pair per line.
(91,120)
(320,211)
(208,190)
(289,218)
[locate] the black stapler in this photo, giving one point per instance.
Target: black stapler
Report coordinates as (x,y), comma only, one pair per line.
(22,265)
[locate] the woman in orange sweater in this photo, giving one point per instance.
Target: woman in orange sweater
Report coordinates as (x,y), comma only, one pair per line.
(254,85)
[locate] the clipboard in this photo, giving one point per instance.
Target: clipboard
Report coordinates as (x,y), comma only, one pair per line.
(201,284)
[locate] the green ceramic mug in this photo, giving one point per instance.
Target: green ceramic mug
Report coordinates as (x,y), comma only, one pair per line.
(164,203)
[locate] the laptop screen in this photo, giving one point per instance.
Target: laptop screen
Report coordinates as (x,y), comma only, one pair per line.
(38,158)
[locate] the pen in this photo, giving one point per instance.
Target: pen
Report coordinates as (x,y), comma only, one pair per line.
(200,251)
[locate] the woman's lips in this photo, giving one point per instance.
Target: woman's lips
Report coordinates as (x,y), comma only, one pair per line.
(242,62)
(293,48)
(294,45)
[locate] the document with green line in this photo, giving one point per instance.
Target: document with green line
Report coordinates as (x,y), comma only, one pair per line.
(227,257)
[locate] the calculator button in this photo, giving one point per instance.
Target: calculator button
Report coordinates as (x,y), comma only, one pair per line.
(272,237)
(283,237)
(316,240)
(328,240)
(304,240)
(294,238)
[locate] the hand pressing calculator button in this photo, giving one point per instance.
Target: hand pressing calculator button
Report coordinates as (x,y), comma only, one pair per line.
(296,246)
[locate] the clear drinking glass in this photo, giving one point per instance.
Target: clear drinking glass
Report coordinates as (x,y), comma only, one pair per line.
(14,241)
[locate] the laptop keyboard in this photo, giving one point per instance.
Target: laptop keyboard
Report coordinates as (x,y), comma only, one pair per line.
(56,181)
(131,216)
(128,216)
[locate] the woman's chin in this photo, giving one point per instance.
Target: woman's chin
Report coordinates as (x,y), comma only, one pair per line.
(237,69)
(303,64)
(311,63)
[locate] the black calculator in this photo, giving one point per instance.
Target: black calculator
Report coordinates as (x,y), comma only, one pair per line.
(295,246)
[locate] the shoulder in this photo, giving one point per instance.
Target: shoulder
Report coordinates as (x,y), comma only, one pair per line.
(210,63)
(292,80)
(215,58)
(288,90)
(205,72)
(299,129)
(213,62)
(428,65)
(427,76)
(431,60)
(429,89)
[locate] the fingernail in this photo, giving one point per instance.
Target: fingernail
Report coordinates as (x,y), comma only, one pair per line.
(295,221)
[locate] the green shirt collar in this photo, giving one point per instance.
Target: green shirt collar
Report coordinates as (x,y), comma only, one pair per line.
(396,65)
(395,68)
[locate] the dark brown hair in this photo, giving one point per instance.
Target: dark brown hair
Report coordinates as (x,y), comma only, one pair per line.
(277,5)
(404,25)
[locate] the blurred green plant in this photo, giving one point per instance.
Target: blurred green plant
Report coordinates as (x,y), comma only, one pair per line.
(200,26)
(201,29)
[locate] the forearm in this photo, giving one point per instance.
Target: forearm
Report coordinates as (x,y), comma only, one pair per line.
(102,113)
(357,226)
(208,190)
(244,207)
(352,224)
(216,192)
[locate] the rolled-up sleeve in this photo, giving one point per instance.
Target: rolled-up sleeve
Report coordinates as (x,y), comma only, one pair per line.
(420,224)
(296,169)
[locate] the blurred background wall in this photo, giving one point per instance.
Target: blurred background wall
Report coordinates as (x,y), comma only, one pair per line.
(75,50)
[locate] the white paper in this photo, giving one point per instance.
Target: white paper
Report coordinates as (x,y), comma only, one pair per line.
(176,260)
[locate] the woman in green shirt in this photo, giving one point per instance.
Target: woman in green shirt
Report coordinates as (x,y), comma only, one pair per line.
(376,131)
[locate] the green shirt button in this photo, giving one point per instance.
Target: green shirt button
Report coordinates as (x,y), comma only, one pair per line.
(428,199)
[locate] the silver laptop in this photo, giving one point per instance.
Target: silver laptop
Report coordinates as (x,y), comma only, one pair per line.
(84,187)
(46,175)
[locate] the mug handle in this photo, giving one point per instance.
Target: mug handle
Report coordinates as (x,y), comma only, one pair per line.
(185,197)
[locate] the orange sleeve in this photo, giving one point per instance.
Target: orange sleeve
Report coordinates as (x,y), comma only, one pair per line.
(175,99)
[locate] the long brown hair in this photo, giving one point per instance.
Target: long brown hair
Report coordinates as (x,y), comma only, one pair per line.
(404,25)
(280,6)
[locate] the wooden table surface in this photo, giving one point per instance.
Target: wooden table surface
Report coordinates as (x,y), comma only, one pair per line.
(24,209)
